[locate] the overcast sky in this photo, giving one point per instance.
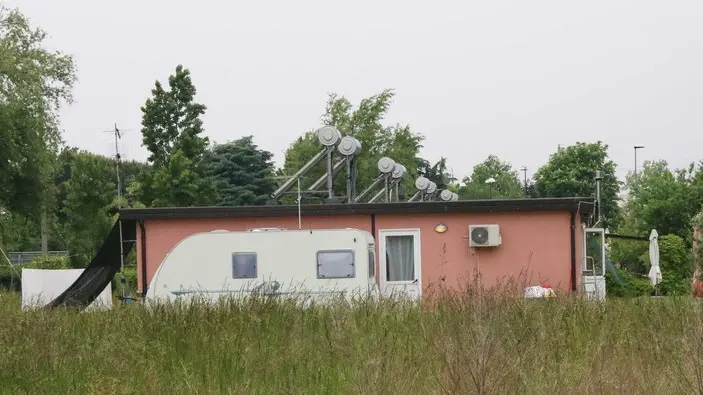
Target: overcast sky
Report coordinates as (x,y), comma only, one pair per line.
(512,78)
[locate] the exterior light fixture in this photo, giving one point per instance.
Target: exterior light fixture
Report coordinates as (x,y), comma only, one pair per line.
(441,228)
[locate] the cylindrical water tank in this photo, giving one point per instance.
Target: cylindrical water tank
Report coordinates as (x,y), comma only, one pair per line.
(455,196)
(446,195)
(422,183)
(349,146)
(386,165)
(432,188)
(328,136)
(399,170)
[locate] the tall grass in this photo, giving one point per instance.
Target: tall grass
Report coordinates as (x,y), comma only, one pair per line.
(467,343)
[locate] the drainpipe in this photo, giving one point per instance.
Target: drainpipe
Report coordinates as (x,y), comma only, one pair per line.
(573,251)
(143,251)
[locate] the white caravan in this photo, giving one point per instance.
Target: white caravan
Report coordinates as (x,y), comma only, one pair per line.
(270,262)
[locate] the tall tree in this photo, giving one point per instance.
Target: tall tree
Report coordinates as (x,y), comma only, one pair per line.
(171,120)
(507,183)
(34,82)
(243,173)
(172,132)
(570,172)
(365,124)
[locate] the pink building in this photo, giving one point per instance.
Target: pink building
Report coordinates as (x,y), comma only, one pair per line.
(419,243)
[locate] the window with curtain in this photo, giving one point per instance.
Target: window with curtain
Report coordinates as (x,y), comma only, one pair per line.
(400,258)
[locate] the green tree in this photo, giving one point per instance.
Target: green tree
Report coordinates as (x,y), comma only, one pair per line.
(662,199)
(34,82)
(437,172)
(570,172)
(507,185)
(171,131)
(365,124)
(675,261)
(178,184)
(90,191)
(171,120)
(243,173)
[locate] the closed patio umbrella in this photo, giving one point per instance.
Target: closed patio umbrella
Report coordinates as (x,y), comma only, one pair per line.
(655,273)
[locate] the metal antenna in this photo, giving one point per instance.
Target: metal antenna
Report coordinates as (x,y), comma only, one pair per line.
(118,136)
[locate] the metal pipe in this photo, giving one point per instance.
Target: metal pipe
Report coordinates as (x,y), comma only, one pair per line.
(293,179)
(330,175)
(335,169)
(415,196)
(373,185)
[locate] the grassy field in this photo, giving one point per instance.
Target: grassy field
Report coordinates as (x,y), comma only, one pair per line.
(467,344)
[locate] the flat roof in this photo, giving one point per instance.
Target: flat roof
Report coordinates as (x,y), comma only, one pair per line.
(579,205)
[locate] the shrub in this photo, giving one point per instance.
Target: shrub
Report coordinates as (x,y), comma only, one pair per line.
(49,262)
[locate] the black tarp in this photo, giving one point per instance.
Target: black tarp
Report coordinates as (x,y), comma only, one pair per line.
(100,271)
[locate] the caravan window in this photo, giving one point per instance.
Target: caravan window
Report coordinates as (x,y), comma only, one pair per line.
(335,264)
(244,265)
(372,263)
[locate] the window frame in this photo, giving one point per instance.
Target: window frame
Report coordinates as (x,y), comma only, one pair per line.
(345,250)
(256,264)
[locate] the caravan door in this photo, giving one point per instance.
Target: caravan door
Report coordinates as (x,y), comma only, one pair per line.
(594,263)
(399,258)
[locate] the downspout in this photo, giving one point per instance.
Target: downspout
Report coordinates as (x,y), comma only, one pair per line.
(573,251)
(143,252)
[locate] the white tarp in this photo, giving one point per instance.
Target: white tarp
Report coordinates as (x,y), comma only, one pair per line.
(39,287)
(537,291)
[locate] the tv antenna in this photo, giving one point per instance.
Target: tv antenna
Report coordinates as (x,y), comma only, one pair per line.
(118,135)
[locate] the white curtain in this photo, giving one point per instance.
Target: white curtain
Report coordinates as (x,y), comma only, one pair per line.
(400,258)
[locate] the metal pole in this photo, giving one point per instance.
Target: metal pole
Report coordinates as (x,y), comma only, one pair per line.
(300,217)
(119,206)
(636,148)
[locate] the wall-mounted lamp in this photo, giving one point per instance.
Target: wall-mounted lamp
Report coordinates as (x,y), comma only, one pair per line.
(441,228)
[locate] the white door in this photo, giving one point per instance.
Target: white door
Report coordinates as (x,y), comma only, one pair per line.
(594,263)
(399,258)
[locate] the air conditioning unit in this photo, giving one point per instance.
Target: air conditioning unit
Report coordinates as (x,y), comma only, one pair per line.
(484,235)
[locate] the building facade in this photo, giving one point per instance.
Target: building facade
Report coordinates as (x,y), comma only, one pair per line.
(419,245)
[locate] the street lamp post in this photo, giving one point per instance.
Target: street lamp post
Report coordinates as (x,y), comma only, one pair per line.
(636,148)
(524,171)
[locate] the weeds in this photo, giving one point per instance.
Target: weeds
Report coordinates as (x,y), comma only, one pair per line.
(458,343)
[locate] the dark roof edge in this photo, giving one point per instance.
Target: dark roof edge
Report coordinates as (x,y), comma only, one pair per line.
(575,204)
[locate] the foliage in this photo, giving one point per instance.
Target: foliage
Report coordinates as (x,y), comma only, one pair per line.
(675,262)
(171,131)
(507,185)
(461,345)
(243,172)
(662,199)
(49,262)
(90,191)
(437,173)
(623,283)
(180,183)
(697,242)
(571,172)
(33,83)
(364,123)
(171,120)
